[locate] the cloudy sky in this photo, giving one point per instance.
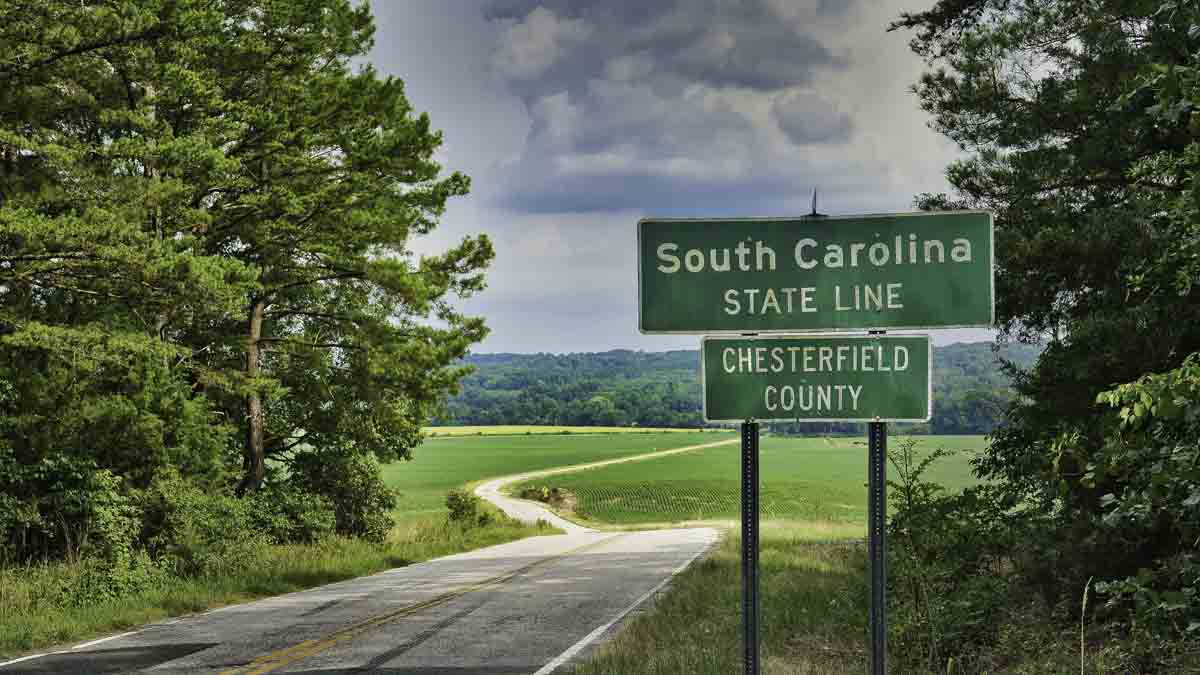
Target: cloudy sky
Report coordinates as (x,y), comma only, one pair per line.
(575,118)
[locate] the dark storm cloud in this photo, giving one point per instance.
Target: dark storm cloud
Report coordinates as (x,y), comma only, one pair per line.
(655,104)
(717,42)
(574,118)
(810,118)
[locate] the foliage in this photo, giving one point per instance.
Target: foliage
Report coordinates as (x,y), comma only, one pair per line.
(555,496)
(647,389)
(466,509)
(944,550)
(64,506)
(287,514)
(1079,123)
(41,604)
(200,534)
(362,502)
(207,218)
(1155,515)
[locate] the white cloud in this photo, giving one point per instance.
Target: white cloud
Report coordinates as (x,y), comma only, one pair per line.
(530,46)
(593,117)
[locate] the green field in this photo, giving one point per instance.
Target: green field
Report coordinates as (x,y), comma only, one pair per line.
(810,479)
(530,429)
(442,464)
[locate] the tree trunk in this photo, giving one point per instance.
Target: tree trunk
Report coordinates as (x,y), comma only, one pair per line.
(255,456)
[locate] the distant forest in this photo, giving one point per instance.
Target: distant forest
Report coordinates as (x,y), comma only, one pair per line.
(662,389)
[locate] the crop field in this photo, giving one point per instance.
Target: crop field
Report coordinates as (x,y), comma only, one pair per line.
(807,479)
(442,464)
(530,429)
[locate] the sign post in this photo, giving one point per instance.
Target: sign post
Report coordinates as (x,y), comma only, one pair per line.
(807,275)
(750,604)
(877,542)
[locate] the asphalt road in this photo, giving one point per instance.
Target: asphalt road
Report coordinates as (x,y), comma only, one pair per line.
(528,606)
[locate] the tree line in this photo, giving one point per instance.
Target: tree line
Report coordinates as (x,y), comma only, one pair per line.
(1080,127)
(210,316)
(662,389)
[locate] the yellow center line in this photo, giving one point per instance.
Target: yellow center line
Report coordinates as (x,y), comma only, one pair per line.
(283,657)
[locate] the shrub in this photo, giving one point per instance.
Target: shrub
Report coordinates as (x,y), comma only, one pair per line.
(288,515)
(203,534)
(944,551)
(466,508)
(544,494)
(352,483)
(62,505)
(96,581)
(1151,517)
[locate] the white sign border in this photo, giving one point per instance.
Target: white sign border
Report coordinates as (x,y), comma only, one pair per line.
(822,331)
(810,336)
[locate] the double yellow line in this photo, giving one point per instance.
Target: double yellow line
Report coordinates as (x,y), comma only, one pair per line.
(289,655)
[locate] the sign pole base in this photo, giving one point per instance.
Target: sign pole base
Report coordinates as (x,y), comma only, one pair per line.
(877,543)
(750,605)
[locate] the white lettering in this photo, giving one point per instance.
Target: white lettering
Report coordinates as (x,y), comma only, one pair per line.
(742,251)
(941,252)
(878,253)
(770,301)
(854,249)
(800,261)
(854,392)
(664,254)
(833,256)
(961,251)
(712,258)
(806,299)
(731,302)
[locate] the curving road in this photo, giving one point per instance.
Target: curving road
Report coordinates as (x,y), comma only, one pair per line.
(528,606)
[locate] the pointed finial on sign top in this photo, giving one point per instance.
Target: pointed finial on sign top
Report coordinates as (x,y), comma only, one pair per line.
(814,213)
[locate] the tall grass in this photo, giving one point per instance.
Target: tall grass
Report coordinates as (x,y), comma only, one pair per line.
(36,609)
(813,603)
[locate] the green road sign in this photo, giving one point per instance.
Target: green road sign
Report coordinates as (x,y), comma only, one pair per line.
(819,378)
(915,270)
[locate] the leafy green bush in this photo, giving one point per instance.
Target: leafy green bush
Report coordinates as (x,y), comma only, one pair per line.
(945,552)
(288,515)
(203,534)
(63,505)
(99,580)
(352,483)
(466,509)
(1151,452)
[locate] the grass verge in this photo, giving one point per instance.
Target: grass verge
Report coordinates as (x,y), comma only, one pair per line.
(813,604)
(36,611)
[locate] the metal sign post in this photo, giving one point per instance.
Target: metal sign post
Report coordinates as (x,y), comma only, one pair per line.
(877,542)
(750,613)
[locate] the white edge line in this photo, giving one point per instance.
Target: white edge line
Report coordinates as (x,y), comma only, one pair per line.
(594,635)
(27,658)
(106,639)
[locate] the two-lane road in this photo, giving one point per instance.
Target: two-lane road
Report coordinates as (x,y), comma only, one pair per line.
(524,607)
